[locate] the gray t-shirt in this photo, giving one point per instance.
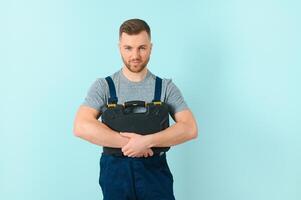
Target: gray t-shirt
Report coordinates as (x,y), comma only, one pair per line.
(126,90)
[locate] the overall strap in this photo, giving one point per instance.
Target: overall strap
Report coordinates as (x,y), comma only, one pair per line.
(158,88)
(113,98)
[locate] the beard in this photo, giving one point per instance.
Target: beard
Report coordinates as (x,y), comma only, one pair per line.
(135,67)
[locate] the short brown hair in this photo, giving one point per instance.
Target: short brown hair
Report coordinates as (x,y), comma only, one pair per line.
(134,26)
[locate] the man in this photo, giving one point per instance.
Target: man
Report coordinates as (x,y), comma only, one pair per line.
(138,173)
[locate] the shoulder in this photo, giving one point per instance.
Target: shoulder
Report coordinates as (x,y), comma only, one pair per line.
(168,85)
(115,75)
(166,82)
(101,81)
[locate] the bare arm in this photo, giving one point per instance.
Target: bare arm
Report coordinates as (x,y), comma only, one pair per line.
(183,130)
(88,127)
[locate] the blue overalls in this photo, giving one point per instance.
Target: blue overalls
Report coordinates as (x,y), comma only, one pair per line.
(126,178)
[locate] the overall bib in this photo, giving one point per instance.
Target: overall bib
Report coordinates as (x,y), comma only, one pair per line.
(126,178)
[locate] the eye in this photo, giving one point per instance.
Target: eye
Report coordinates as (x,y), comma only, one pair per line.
(128,48)
(143,48)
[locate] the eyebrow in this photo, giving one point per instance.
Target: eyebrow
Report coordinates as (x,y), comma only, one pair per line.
(144,45)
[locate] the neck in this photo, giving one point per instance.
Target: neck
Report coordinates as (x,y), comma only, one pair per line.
(135,77)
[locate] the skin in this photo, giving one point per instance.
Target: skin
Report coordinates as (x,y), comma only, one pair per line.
(135,51)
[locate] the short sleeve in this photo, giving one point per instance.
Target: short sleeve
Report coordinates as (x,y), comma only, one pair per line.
(174,98)
(96,96)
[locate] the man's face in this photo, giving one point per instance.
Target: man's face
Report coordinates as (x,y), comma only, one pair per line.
(135,50)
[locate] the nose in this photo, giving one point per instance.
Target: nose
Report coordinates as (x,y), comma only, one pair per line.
(136,54)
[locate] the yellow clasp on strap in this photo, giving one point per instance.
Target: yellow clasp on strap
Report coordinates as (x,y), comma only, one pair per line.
(111,105)
(157,102)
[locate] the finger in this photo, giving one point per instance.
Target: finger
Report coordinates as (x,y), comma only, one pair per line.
(133,154)
(125,148)
(138,155)
(127,153)
(150,152)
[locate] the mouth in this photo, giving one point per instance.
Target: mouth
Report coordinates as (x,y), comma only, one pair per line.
(135,61)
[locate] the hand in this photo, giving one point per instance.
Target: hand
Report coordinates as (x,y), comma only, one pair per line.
(137,146)
(147,153)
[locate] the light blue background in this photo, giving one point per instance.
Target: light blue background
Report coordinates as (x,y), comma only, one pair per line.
(236,62)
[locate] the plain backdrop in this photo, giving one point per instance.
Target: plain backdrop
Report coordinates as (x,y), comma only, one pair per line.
(237,64)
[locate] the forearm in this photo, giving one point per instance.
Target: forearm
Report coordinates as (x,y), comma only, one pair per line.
(98,133)
(176,134)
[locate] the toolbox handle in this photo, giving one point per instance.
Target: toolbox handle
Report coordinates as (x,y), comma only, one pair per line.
(134,104)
